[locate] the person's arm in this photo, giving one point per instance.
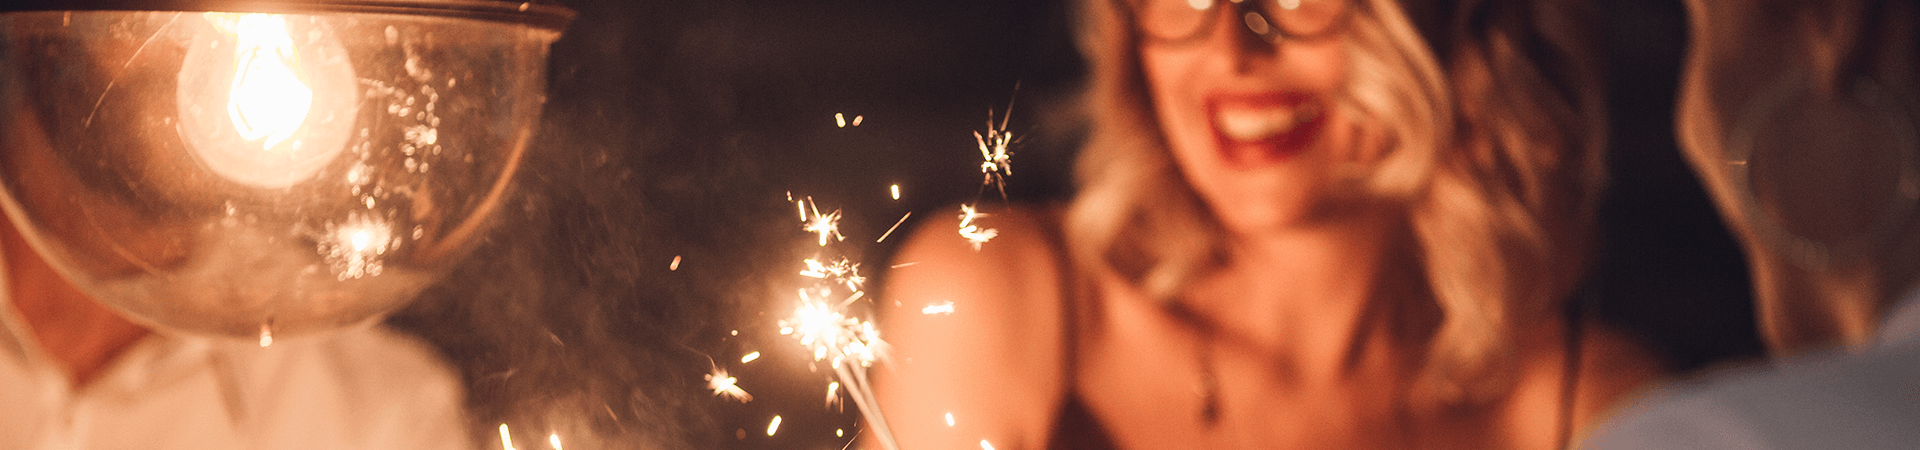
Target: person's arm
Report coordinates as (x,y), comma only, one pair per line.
(995,362)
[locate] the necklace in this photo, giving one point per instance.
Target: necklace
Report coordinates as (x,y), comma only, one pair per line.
(1209,382)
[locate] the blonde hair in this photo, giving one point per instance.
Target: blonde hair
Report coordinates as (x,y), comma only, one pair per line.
(1493,145)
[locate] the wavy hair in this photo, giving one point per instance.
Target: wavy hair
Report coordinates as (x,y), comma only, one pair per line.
(1492,122)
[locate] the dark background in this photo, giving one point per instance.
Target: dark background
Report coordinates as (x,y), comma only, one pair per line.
(677,128)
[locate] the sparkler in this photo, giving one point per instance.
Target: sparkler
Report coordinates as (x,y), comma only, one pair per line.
(823,320)
(824,323)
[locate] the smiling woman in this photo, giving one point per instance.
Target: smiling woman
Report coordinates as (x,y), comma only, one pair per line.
(1324,223)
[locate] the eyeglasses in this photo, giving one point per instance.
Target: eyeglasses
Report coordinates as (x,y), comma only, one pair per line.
(1274,20)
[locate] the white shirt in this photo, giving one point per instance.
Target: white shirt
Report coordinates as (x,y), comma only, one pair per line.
(1834,400)
(366,388)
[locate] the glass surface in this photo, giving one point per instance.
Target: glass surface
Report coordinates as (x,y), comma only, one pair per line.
(241,174)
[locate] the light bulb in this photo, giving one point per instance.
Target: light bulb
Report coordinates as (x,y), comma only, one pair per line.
(265,101)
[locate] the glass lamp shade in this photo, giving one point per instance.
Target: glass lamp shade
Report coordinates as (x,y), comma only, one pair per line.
(240,173)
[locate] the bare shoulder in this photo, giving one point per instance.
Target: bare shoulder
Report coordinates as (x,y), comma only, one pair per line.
(1615,369)
(1611,367)
(976,333)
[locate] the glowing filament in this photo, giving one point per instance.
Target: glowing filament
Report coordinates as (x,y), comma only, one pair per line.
(268,101)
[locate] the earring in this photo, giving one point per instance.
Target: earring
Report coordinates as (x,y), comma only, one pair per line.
(1821,253)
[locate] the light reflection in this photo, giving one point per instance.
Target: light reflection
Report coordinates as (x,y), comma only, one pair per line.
(356,249)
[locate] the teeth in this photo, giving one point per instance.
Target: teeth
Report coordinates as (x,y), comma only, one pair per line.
(1256,124)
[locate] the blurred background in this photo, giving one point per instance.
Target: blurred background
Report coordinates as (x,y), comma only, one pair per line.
(675,130)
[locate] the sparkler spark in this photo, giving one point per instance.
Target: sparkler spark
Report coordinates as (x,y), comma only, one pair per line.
(896,224)
(675,265)
(750,357)
(943,308)
(833,393)
(975,234)
(555,440)
(721,384)
(826,225)
(773,426)
(506,439)
(996,152)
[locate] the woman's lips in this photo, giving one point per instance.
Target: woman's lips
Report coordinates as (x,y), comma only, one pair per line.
(1255,130)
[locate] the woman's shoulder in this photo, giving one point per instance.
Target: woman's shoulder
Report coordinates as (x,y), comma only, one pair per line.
(1620,368)
(976,330)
